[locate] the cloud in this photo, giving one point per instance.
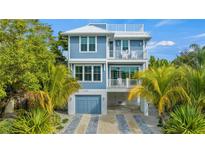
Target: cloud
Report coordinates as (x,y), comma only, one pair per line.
(154,44)
(198,36)
(167,22)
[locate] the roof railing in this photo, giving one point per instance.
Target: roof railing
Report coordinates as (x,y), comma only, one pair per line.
(125,27)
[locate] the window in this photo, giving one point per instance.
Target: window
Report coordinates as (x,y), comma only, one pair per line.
(124,44)
(88,73)
(88,44)
(91,43)
(79,73)
(123,72)
(97,73)
(84,44)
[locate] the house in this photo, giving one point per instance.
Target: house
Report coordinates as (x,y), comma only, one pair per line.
(104,59)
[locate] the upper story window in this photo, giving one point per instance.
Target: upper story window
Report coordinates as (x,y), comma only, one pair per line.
(88,43)
(84,42)
(125,45)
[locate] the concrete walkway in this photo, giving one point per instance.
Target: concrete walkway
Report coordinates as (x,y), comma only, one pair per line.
(116,121)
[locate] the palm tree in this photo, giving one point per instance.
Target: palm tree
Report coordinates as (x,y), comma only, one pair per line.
(159,86)
(194,84)
(61,85)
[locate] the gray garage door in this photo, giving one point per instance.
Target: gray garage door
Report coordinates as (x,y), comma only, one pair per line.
(90,104)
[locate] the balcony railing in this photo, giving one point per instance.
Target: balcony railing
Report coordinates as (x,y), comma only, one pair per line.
(122,83)
(125,27)
(127,55)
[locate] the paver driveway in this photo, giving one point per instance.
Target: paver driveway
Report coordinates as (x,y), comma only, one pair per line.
(116,121)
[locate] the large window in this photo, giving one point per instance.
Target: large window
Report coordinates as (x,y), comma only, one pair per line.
(88,43)
(123,72)
(97,73)
(88,73)
(79,73)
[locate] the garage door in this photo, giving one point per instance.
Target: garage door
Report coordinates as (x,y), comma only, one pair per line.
(88,104)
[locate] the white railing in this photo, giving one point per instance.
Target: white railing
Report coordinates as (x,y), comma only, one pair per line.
(126,55)
(125,27)
(122,83)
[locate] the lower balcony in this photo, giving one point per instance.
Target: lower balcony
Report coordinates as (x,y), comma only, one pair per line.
(122,83)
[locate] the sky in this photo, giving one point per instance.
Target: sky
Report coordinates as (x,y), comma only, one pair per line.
(169,36)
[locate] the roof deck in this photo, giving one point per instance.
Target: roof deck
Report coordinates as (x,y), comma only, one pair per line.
(120,27)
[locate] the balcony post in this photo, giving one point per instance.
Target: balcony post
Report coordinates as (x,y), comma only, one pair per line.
(127,82)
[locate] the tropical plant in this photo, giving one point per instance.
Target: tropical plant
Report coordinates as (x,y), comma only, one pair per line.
(5,126)
(185,119)
(153,62)
(60,85)
(193,82)
(194,57)
(159,86)
(36,121)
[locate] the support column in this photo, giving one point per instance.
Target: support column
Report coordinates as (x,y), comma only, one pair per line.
(146,111)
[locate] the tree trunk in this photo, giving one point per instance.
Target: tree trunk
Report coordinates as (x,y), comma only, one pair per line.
(9,107)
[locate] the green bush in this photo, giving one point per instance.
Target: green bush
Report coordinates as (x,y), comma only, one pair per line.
(35,122)
(185,119)
(65,120)
(5,126)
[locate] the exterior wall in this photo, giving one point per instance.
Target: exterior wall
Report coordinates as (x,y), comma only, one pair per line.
(93,85)
(75,48)
(71,101)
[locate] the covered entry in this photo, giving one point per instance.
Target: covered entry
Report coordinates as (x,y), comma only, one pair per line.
(88,104)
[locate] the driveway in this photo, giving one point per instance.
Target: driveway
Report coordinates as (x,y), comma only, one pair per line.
(119,120)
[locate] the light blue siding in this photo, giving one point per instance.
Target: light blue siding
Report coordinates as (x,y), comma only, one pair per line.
(90,104)
(75,51)
(93,85)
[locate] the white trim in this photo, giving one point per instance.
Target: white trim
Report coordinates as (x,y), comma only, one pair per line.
(88,39)
(69,44)
(92,71)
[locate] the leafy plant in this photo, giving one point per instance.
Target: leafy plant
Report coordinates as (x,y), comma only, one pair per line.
(185,119)
(60,85)
(159,86)
(35,122)
(5,126)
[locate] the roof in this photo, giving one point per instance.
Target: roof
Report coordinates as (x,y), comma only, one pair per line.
(96,30)
(88,29)
(139,35)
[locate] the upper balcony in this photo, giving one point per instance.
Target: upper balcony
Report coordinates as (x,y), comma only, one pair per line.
(127,54)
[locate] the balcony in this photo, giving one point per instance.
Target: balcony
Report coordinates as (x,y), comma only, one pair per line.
(127,55)
(122,83)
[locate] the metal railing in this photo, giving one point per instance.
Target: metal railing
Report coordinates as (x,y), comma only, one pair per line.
(122,83)
(127,55)
(125,27)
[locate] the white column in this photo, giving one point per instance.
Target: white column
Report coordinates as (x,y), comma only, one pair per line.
(146,111)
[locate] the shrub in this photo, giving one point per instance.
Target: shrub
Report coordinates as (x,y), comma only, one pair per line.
(185,119)
(35,122)
(5,126)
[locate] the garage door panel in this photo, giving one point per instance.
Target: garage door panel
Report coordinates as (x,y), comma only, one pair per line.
(88,104)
